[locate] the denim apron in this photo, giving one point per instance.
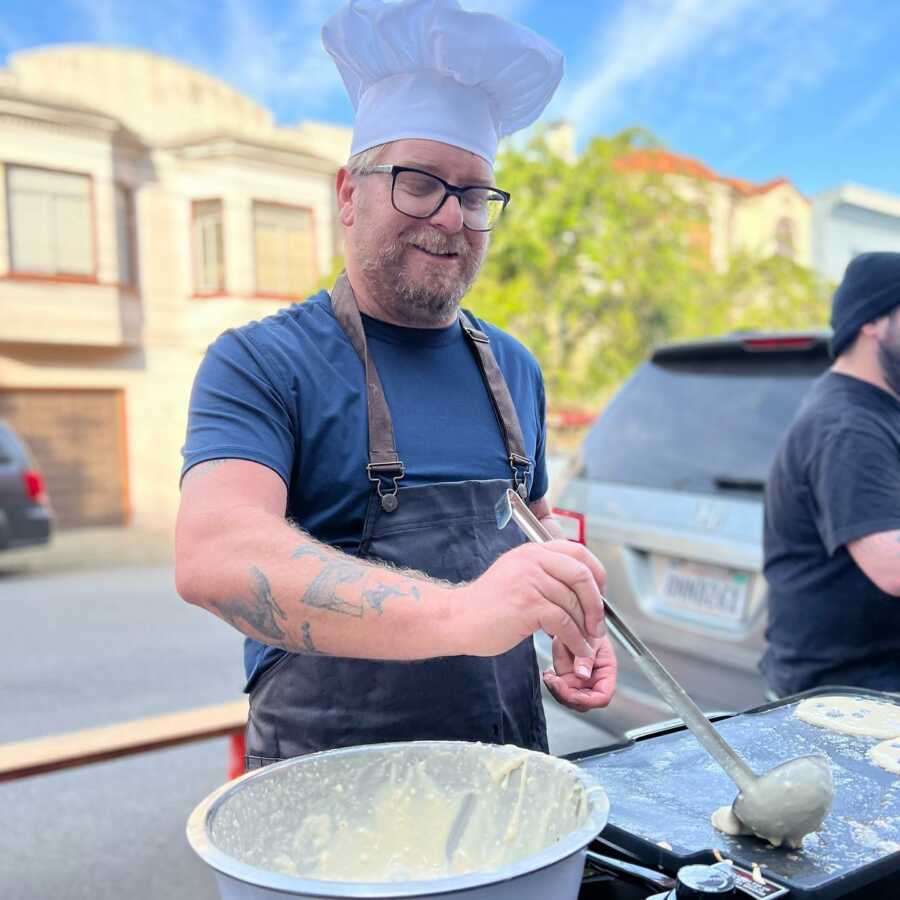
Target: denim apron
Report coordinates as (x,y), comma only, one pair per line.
(306,703)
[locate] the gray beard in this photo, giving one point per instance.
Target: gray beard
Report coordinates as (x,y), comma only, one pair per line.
(426,303)
(423,307)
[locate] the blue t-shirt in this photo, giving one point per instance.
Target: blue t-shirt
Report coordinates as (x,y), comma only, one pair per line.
(289,392)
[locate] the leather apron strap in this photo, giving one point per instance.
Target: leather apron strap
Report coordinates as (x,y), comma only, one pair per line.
(385,467)
(502,402)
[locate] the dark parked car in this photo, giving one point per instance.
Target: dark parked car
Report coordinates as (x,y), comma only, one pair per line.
(670,484)
(25,515)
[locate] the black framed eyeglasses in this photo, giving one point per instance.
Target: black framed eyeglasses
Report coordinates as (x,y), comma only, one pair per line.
(420,195)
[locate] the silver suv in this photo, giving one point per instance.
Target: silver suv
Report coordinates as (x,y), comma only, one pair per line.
(670,484)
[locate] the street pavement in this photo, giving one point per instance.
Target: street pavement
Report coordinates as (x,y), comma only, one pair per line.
(94,647)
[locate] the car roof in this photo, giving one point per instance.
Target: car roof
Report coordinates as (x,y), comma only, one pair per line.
(746,343)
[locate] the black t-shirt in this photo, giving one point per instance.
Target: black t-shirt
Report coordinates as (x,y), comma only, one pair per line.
(835,479)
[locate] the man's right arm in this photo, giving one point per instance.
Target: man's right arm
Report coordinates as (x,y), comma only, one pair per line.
(238,557)
(878,555)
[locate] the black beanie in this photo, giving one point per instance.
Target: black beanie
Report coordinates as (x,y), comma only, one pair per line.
(870,290)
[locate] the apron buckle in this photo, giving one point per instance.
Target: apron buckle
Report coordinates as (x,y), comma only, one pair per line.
(383,471)
(520,465)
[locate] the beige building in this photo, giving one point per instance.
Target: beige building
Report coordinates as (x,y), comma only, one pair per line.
(760,219)
(144,208)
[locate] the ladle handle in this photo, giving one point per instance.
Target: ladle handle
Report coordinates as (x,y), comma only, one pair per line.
(669,689)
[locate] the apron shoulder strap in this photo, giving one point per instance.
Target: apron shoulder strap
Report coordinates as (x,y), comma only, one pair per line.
(385,468)
(504,409)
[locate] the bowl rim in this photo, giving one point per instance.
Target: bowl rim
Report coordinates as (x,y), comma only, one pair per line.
(199,837)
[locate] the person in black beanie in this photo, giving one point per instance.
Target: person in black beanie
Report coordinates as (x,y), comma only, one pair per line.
(832,505)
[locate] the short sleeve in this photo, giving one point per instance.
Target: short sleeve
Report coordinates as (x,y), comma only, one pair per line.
(237,411)
(540,482)
(854,476)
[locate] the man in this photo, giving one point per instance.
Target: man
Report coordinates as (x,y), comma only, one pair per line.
(384,425)
(832,523)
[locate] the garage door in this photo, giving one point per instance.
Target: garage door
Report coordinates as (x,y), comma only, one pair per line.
(78,440)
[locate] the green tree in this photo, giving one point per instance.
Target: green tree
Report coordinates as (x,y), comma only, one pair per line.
(589,266)
(760,294)
(593,265)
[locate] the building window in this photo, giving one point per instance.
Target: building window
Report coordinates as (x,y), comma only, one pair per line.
(50,222)
(285,250)
(784,238)
(126,242)
(209,248)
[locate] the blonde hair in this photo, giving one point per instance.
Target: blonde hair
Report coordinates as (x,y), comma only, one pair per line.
(362,162)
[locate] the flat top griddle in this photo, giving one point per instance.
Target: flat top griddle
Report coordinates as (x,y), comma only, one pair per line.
(664,787)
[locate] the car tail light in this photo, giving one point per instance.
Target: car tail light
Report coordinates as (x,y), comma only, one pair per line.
(34,486)
(797,342)
(236,750)
(571,523)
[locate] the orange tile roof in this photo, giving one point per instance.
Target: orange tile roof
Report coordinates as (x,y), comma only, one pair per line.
(666,162)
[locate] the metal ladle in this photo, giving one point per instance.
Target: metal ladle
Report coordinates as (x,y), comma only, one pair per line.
(782,805)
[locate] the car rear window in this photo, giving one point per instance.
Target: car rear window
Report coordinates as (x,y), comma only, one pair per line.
(704,426)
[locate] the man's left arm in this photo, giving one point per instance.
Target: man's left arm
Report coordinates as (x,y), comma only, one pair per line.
(878,555)
(567,688)
(856,484)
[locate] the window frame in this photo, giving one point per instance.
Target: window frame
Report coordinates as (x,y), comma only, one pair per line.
(131,248)
(196,263)
(277,204)
(59,276)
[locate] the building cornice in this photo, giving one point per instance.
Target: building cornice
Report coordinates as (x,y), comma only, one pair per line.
(863,198)
(64,118)
(246,149)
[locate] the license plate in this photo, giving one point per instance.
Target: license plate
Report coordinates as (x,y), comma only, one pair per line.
(707,592)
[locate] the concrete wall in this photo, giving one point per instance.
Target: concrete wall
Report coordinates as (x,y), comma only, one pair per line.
(847,223)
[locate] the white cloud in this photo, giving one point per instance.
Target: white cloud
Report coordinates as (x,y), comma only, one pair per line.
(273,54)
(278,62)
(642,40)
(734,71)
(871,106)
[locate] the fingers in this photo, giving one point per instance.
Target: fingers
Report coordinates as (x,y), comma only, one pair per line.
(583,555)
(564,663)
(577,576)
(575,694)
(555,621)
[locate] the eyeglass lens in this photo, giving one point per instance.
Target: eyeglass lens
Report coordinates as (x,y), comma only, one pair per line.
(419,194)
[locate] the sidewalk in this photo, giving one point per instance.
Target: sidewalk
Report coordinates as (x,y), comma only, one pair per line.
(91,548)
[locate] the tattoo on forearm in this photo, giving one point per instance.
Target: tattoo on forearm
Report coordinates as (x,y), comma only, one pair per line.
(338,571)
(321,592)
(308,645)
(309,550)
(260,613)
(376,596)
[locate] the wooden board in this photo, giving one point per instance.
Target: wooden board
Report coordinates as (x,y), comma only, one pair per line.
(49,754)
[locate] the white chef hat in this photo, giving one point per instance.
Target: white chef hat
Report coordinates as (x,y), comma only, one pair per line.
(429,69)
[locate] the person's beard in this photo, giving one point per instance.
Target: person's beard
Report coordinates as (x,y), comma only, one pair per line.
(427,301)
(889,354)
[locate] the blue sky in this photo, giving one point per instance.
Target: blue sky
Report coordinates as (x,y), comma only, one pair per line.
(808,89)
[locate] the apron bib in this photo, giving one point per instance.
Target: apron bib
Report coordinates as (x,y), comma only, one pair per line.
(304,704)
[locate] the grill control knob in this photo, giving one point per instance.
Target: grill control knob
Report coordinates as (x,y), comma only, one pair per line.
(704,882)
